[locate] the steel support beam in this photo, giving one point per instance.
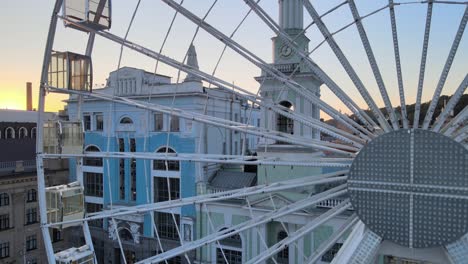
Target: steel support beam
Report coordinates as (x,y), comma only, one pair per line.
(446,70)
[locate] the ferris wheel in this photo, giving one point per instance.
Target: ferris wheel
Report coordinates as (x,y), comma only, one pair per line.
(402,178)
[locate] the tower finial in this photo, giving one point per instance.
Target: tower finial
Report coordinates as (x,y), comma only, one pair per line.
(192,61)
(291,14)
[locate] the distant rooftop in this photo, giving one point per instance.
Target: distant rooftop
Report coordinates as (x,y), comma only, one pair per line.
(7,115)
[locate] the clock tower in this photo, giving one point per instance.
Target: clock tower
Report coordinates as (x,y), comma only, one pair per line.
(287,61)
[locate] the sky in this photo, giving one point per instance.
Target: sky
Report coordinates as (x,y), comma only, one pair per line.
(25,26)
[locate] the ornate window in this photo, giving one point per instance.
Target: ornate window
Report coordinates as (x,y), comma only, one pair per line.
(90,161)
(172,165)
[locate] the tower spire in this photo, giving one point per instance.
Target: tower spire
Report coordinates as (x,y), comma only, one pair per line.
(192,61)
(291,15)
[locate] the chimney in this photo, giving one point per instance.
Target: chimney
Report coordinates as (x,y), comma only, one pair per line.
(29,96)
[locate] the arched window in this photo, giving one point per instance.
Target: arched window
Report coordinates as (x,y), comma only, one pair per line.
(23,132)
(172,165)
(229,248)
(33,132)
(125,234)
(9,133)
(32,196)
(283,123)
(92,161)
(126,120)
(4,199)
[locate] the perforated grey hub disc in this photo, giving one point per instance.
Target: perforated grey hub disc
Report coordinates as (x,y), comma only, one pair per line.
(411,187)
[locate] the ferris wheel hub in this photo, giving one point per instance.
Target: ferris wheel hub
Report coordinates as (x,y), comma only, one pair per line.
(411,187)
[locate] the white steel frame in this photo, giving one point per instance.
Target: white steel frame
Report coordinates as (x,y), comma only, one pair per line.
(361,239)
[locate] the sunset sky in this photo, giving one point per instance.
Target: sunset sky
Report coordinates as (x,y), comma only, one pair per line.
(25,26)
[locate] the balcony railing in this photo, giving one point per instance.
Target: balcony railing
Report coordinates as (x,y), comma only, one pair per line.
(331,203)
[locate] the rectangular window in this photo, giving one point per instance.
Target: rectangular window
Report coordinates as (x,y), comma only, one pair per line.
(94,208)
(31,216)
(4,221)
(4,199)
(122,170)
(175,126)
(99,122)
(31,196)
(5,250)
(93,183)
(56,235)
(166,226)
(163,192)
(258,122)
(31,242)
(232,256)
(87,122)
(158,122)
(133,179)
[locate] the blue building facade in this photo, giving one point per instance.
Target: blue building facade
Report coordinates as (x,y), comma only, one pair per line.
(114,182)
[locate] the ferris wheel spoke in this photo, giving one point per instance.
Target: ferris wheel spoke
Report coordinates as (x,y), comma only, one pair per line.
(361,115)
(265,218)
(326,245)
(422,68)
(373,64)
(231,88)
(446,70)
(360,247)
(396,49)
(222,159)
(288,82)
(219,196)
(450,105)
(461,134)
(346,65)
(456,122)
(312,65)
(301,232)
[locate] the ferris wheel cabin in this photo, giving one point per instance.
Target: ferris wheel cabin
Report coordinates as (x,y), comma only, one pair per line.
(71,71)
(65,203)
(81,255)
(95,14)
(64,137)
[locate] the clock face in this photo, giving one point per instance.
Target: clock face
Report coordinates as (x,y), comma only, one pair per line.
(285,51)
